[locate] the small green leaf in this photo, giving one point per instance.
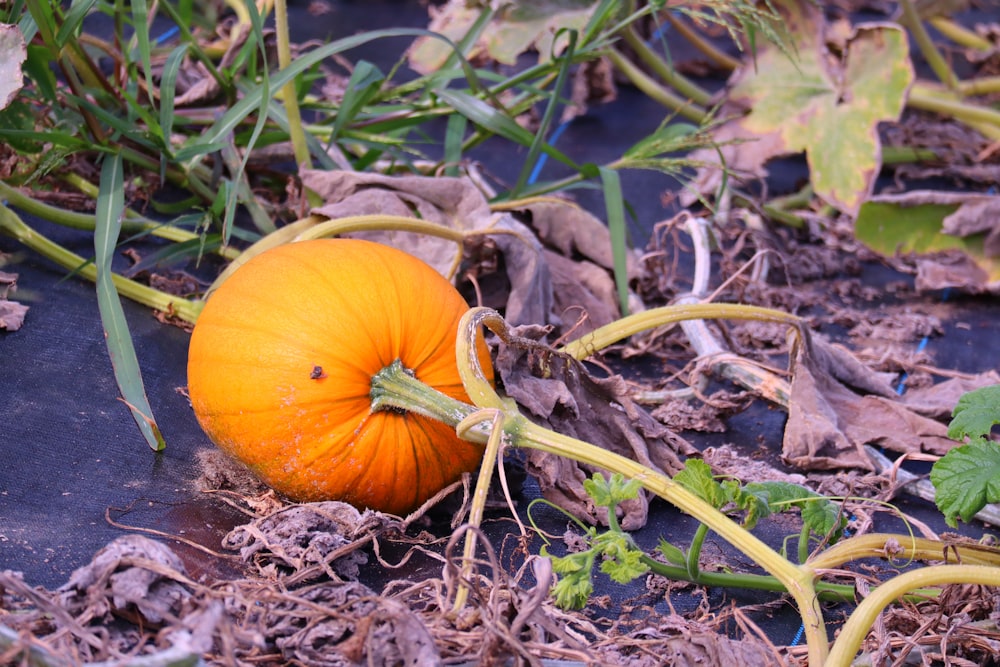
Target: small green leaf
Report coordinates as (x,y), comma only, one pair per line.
(820,514)
(965,479)
(671,553)
(625,567)
(668,138)
(976,413)
(610,492)
(575,585)
(697,478)
(365,81)
(615,206)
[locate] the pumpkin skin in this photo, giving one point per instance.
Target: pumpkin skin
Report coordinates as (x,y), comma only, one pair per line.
(281,361)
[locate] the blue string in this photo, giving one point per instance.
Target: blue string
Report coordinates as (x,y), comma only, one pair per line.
(537,170)
(901,387)
(169,34)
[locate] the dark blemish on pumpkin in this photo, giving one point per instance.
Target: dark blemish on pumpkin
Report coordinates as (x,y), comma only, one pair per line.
(317,373)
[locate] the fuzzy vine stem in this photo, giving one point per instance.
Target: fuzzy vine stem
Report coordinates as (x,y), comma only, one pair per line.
(861,620)
(392,387)
(11,224)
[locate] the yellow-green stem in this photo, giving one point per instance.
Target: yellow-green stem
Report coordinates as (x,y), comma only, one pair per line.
(931,98)
(621,329)
(132,224)
(798,581)
(959,33)
(898,548)
(654,90)
(670,76)
(184,309)
(288,93)
(861,620)
(496,420)
(910,19)
(709,50)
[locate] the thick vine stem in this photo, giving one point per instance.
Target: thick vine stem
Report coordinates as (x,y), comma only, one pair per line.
(184,309)
(523,433)
(495,419)
(897,547)
(609,334)
(861,620)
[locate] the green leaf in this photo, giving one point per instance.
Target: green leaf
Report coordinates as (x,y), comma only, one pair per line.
(615,206)
(365,81)
(140,23)
(668,138)
(826,102)
(671,553)
(168,90)
(820,514)
(919,222)
(976,413)
(574,586)
(497,122)
(610,492)
(623,564)
(966,479)
(698,479)
(110,208)
(251,100)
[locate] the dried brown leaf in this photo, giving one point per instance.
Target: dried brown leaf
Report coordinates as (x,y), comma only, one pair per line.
(558,392)
(112,583)
(838,405)
(11,312)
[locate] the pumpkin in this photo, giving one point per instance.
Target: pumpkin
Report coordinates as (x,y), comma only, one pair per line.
(281,361)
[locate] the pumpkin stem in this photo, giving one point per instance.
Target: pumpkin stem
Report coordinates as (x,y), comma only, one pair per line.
(395,388)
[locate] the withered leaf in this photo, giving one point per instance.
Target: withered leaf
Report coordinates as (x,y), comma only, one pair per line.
(544,287)
(558,392)
(838,406)
(11,312)
(130,577)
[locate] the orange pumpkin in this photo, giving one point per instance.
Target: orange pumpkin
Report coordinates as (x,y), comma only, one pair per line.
(281,362)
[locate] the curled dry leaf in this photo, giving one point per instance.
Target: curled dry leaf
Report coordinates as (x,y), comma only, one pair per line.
(130,578)
(558,392)
(543,286)
(838,406)
(360,628)
(12,54)
(516,27)
(299,536)
(455,203)
(11,312)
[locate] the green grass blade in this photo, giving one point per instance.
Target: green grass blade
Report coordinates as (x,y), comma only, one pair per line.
(252,100)
(615,206)
(453,139)
(550,112)
(110,208)
(492,120)
(364,84)
(74,20)
(231,156)
(140,23)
